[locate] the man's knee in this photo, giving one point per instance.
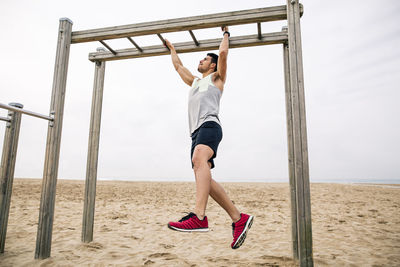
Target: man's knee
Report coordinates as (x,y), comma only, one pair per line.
(201,156)
(198,161)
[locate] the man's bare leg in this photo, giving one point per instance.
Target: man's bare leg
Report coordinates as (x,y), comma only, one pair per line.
(202,172)
(218,193)
(206,186)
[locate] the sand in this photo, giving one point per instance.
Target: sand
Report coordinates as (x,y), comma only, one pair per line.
(353,225)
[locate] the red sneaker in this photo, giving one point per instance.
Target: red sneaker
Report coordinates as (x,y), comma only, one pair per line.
(190,223)
(240,228)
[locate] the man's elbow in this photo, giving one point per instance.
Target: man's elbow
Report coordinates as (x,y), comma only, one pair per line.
(223,53)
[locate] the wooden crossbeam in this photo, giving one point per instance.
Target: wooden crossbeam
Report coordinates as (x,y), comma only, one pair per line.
(186,47)
(183,24)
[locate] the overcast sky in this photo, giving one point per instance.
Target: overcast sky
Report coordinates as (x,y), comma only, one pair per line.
(351,72)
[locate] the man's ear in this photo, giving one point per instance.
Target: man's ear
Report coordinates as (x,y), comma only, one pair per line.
(213,65)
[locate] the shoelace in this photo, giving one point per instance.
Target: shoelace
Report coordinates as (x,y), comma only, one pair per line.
(187,217)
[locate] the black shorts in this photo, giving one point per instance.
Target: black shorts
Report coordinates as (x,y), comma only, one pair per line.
(209,134)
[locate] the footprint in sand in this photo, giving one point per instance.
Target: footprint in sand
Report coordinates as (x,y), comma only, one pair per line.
(276,261)
(148,262)
(165,259)
(93,246)
(163,255)
(104,228)
(167,246)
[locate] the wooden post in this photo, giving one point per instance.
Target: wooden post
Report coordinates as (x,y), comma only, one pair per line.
(300,151)
(8,158)
(47,201)
(289,123)
(93,152)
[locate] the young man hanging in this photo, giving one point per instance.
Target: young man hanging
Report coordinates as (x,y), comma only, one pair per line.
(206,134)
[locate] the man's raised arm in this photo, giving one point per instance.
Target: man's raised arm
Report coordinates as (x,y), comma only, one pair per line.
(223,55)
(185,74)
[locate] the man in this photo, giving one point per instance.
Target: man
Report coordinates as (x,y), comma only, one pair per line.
(206,133)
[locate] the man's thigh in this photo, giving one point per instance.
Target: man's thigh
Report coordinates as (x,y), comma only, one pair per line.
(202,152)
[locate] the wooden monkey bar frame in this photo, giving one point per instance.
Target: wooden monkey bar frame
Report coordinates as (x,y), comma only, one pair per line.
(189,24)
(182,24)
(290,37)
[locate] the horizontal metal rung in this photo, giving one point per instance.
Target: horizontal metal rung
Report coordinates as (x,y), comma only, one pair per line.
(5,119)
(162,40)
(135,44)
(194,38)
(109,48)
(27,112)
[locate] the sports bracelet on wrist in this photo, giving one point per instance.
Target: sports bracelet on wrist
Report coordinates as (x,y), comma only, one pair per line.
(229,34)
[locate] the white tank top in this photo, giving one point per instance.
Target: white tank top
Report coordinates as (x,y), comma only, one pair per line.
(204,99)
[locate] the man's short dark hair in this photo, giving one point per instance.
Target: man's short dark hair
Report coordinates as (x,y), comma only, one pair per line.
(214,59)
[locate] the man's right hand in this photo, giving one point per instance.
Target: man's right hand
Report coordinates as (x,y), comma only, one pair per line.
(185,74)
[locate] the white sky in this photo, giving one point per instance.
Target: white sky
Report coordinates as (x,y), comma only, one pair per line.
(352,73)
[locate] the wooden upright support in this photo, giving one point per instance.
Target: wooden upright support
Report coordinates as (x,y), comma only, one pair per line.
(289,126)
(47,200)
(93,152)
(300,150)
(7,169)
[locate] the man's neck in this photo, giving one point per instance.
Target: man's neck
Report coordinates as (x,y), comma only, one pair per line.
(205,74)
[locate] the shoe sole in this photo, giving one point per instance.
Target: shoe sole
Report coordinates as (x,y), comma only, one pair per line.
(188,230)
(243,235)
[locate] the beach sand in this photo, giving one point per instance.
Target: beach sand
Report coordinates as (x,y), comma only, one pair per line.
(353,225)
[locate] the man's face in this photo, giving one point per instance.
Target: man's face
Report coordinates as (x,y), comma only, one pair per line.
(204,64)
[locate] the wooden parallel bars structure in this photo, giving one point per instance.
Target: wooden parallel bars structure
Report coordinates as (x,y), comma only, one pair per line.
(8,159)
(290,38)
